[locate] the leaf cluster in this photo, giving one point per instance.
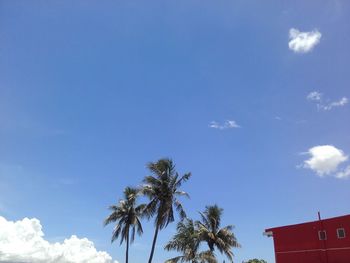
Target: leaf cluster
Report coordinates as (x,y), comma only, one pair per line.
(191,234)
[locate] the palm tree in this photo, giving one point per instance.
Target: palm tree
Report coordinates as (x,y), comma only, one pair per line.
(162,189)
(209,230)
(255,260)
(187,241)
(127,215)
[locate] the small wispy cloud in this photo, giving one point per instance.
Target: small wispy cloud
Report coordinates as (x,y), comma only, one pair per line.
(314,96)
(303,42)
(228,124)
(67,181)
(326,105)
(344,174)
(342,102)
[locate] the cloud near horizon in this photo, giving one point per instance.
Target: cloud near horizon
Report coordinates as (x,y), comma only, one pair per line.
(23,241)
(303,42)
(228,124)
(325,160)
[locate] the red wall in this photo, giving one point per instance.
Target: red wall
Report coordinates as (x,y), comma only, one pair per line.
(300,243)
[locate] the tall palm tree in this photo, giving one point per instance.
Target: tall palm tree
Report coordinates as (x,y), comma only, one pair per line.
(209,230)
(162,189)
(127,216)
(187,241)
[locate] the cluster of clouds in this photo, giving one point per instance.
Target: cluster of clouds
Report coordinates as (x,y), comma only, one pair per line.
(299,42)
(23,242)
(303,42)
(324,160)
(228,124)
(326,105)
(327,160)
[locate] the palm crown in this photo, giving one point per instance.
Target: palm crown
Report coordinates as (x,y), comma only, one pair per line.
(209,230)
(162,189)
(187,241)
(127,215)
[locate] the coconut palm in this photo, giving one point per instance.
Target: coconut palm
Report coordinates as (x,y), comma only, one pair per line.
(255,260)
(162,189)
(187,241)
(127,216)
(209,231)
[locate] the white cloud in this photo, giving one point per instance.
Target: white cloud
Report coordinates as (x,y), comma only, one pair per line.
(314,96)
(321,105)
(342,102)
(228,124)
(344,174)
(325,160)
(23,241)
(303,42)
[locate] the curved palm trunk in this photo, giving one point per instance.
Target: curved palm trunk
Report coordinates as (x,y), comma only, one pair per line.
(153,244)
(127,249)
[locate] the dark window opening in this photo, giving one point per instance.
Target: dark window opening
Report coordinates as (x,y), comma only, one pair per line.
(322,235)
(341,233)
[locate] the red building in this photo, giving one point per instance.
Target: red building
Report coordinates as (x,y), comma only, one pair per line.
(322,241)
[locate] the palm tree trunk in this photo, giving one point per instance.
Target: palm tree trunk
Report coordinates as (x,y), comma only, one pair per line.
(127,249)
(153,244)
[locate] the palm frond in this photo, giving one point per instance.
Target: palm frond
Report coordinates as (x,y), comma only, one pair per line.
(180,209)
(175,260)
(151,208)
(207,257)
(139,227)
(182,179)
(182,193)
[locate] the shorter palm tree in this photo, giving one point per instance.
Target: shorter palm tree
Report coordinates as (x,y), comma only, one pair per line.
(187,241)
(255,260)
(210,232)
(127,216)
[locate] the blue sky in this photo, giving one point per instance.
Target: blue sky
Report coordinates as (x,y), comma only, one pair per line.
(90,91)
